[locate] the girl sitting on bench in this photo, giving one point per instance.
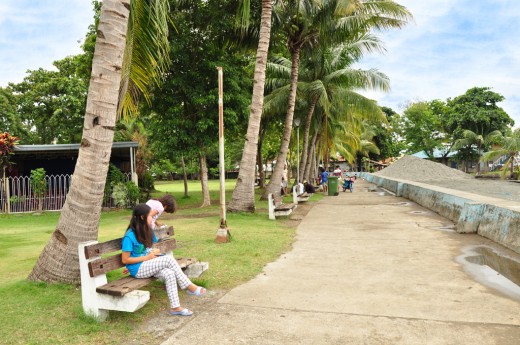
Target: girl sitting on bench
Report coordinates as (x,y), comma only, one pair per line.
(143,261)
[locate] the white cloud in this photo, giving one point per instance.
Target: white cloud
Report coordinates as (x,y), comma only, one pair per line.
(453,46)
(33,34)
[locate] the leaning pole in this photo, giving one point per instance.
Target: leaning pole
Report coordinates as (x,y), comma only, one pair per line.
(223,234)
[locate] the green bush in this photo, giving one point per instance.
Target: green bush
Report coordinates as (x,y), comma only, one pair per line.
(133,193)
(125,194)
(114,177)
(39,185)
(120,195)
(16,198)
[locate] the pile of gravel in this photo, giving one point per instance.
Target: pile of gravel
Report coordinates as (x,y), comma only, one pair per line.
(418,169)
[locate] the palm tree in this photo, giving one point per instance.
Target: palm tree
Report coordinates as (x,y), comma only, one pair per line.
(117,35)
(326,79)
(305,23)
(470,139)
(243,198)
(508,146)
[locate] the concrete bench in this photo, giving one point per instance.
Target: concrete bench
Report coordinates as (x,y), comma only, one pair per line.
(279,209)
(123,294)
(300,197)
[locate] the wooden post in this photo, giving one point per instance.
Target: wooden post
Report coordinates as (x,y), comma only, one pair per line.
(223,235)
(7,196)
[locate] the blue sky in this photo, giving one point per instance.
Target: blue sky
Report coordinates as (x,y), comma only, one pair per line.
(452,46)
(33,34)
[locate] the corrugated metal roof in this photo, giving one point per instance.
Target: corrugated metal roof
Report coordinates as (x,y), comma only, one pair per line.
(67,147)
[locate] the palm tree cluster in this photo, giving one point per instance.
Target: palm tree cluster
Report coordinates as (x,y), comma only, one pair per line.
(323,39)
(498,145)
(507,146)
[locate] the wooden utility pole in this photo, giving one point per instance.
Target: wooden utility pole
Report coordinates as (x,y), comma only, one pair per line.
(223,234)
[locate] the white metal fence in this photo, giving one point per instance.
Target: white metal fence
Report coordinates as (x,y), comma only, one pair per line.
(22,198)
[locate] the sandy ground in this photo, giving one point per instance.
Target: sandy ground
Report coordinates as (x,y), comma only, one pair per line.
(425,171)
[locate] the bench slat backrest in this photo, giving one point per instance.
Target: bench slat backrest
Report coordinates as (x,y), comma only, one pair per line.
(104,265)
(115,245)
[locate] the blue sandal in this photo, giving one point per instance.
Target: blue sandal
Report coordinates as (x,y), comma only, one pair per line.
(197,292)
(183,312)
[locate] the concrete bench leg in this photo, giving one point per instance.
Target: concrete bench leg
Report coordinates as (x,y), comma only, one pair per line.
(89,297)
(270,202)
(96,304)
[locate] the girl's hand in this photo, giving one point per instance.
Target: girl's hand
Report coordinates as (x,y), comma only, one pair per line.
(153,253)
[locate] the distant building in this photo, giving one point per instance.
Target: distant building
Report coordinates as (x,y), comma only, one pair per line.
(61,158)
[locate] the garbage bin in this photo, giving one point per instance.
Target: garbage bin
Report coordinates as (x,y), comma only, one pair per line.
(333,185)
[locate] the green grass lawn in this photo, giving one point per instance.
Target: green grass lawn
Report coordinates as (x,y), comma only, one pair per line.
(37,313)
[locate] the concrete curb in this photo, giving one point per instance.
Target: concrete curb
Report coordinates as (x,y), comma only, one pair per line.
(496,219)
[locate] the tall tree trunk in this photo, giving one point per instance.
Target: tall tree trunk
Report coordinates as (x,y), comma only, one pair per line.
(318,155)
(5,186)
(204,180)
(310,158)
(314,171)
(259,160)
(276,179)
(479,153)
(326,160)
(80,215)
(184,177)
(310,161)
(306,132)
(243,198)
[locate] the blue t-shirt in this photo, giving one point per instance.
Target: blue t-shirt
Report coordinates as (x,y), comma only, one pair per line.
(324,177)
(136,249)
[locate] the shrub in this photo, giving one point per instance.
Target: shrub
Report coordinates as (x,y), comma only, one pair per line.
(132,193)
(120,195)
(125,194)
(7,143)
(39,185)
(114,177)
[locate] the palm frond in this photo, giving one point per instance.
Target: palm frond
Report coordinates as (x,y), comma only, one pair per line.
(146,53)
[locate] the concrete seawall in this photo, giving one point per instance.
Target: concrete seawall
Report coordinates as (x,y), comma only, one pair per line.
(496,219)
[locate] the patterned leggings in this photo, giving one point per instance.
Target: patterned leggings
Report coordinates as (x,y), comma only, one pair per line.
(166,269)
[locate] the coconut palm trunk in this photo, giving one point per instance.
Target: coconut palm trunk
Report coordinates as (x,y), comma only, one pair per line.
(318,154)
(204,180)
(310,159)
(259,160)
(276,178)
(306,132)
(243,198)
(79,218)
(311,175)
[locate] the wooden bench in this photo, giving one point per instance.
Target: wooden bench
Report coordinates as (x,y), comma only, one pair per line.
(97,294)
(300,197)
(279,209)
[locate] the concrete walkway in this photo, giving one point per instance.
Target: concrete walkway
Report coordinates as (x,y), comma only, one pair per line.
(365,269)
